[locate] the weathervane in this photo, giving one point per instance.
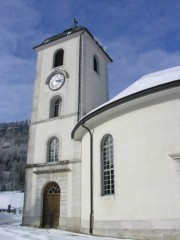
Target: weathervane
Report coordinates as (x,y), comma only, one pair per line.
(75,23)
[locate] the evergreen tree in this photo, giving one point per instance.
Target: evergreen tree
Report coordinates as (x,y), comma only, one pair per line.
(13,154)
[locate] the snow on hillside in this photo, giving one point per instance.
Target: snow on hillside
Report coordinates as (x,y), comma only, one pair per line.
(15,199)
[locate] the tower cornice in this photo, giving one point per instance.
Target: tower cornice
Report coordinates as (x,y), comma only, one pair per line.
(70,32)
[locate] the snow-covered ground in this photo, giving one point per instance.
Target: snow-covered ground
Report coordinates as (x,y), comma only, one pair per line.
(11,229)
(15,199)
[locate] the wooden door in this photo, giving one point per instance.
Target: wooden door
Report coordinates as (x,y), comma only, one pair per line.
(51,206)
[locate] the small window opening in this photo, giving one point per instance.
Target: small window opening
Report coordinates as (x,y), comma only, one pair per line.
(53,150)
(55,107)
(59,58)
(96,65)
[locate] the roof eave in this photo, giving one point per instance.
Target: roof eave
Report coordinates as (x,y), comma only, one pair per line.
(126,99)
(80,29)
(57,38)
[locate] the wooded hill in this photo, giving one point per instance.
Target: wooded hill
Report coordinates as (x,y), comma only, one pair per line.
(13,155)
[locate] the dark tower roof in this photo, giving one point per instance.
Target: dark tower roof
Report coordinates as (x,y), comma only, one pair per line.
(68,32)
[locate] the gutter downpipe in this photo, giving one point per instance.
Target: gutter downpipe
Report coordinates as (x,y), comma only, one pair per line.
(91,181)
(79,87)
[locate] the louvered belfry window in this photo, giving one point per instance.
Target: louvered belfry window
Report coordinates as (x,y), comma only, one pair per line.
(56,108)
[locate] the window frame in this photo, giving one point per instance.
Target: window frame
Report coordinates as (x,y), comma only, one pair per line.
(107,166)
(53,107)
(55,151)
(56,108)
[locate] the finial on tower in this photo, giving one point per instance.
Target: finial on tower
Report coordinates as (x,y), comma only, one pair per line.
(75,23)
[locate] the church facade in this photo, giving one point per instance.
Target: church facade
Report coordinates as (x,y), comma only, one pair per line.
(110,168)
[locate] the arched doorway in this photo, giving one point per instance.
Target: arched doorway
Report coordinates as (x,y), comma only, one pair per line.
(51,205)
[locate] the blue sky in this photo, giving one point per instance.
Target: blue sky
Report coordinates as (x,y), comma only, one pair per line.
(141,36)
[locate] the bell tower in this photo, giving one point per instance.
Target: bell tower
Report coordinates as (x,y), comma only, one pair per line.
(71,80)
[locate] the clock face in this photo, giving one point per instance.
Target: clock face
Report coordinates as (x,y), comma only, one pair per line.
(56,81)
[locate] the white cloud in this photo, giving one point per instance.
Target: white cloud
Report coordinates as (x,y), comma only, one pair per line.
(15,70)
(17,18)
(15,102)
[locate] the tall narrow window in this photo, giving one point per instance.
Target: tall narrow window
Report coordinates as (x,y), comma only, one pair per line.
(107,166)
(58,58)
(96,64)
(53,151)
(55,107)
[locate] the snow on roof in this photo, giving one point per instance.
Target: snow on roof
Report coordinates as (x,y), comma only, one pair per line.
(149,81)
(146,82)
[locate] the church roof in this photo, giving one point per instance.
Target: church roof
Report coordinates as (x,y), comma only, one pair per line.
(68,32)
(150,81)
(148,84)
(63,34)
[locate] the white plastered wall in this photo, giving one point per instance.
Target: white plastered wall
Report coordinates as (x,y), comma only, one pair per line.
(42,129)
(94,87)
(146,179)
(70,88)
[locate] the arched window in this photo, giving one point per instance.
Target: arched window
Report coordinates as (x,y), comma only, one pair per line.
(55,107)
(53,150)
(107,165)
(52,188)
(96,64)
(58,58)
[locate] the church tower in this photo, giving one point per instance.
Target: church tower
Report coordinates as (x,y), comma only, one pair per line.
(71,80)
